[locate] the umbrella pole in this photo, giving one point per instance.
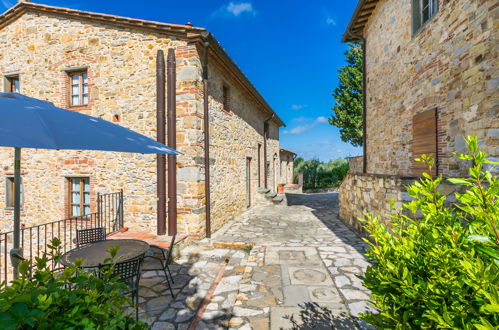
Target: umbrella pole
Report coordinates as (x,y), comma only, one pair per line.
(16,251)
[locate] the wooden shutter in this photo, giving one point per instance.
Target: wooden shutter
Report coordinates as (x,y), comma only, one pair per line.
(424,139)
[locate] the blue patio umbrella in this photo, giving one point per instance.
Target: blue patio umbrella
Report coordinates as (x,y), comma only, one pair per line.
(26,122)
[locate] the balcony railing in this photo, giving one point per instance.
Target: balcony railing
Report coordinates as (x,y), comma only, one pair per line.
(34,239)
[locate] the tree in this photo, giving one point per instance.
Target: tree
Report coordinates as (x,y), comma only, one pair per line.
(348,95)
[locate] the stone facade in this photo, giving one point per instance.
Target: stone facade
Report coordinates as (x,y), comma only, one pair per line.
(450,65)
(286,169)
(43,44)
(235,136)
(355,164)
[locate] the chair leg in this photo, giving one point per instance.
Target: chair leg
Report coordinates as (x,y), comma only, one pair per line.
(137,305)
(168,268)
(168,283)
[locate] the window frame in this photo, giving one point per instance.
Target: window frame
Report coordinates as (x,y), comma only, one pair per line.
(81,84)
(9,83)
(226,98)
(81,191)
(10,191)
(417,14)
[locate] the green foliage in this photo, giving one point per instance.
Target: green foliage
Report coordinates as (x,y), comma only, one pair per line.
(66,299)
(438,266)
(317,174)
(348,96)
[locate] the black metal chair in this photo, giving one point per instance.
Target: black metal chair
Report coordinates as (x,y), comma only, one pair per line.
(156,259)
(128,272)
(87,236)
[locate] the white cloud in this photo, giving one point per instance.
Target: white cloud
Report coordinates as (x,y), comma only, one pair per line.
(330,21)
(298,106)
(235,9)
(300,119)
(239,8)
(321,120)
(304,128)
(300,129)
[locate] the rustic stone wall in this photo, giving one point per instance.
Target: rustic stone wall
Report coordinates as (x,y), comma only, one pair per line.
(450,64)
(361,194)
(234,138)
(121,67)
(355,164)
(286,167)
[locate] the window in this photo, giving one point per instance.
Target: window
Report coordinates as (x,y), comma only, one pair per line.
(424,140)
(79,88)
(12,84)
(422,10)
(226,97)
(79,196)
(10,192)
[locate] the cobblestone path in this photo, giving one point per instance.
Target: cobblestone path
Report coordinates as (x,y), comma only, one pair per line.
(300,273)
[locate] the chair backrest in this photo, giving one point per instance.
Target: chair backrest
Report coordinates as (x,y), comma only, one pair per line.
(86,236)
(127,271)
(170,249)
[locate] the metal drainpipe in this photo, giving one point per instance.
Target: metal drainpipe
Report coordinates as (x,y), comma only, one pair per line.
(364,99)
(161,159)
(172,142)
(265,138)
(206,141)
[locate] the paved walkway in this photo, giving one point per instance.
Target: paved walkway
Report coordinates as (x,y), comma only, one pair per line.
(298,271)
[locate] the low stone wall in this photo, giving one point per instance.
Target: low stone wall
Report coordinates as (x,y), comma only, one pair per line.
(355,164)
(361,194)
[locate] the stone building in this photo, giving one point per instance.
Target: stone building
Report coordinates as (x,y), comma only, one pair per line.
(286,166)
(431,79)
(105,66)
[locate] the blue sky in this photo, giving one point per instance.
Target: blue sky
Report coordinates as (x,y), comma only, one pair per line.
(290,50)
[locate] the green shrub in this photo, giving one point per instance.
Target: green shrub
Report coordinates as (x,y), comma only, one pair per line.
(68,299)
(439,269)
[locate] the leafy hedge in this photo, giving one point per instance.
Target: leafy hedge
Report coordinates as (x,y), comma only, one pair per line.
(439,269)
(318,175)
(69,299)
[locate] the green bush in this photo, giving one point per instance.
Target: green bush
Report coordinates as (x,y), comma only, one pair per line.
(69,299)
(438,266)
(318,175)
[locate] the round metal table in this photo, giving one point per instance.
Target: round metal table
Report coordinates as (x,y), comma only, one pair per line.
(95,253)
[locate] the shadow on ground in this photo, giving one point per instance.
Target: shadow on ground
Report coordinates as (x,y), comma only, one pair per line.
(325,206)
(314,316)
(192,281)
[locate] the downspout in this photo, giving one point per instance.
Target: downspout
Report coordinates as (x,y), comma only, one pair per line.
(364,100)
(265,138)
(172,141)
(207,191)
(161,159)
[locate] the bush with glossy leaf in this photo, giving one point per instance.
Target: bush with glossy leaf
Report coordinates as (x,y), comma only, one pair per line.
(66,299)
(436,266)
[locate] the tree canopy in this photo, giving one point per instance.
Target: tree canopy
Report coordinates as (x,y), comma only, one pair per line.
(348,95)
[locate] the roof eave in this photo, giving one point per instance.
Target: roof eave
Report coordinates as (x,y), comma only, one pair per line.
(355,29)
(226,60)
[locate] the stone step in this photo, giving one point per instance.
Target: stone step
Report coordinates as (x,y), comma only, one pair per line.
(263,190)
(277,199)
(270,194)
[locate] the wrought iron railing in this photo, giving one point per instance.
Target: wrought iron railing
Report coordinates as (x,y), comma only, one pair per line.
(34,239)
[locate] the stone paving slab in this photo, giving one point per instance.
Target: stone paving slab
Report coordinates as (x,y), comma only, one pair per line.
(306,259)
(301,273)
